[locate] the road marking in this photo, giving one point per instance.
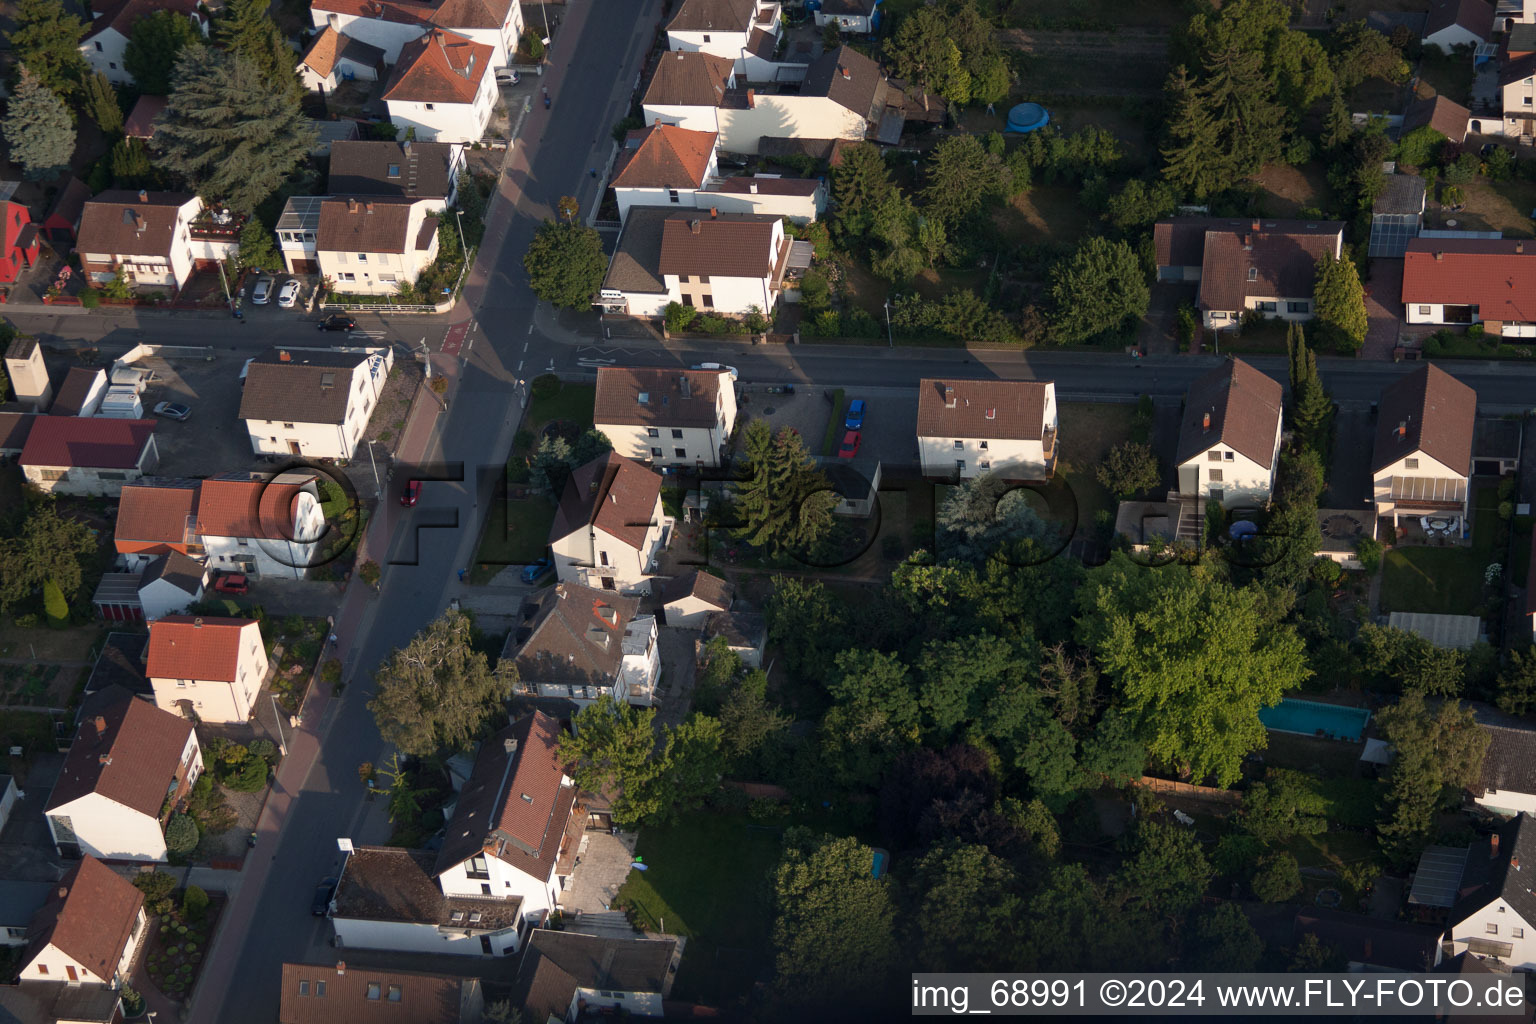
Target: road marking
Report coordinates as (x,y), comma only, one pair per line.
(519,364)
(530,327)
(596,362)
(525,346)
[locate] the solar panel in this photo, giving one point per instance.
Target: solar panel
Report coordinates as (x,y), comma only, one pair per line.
(1390,235)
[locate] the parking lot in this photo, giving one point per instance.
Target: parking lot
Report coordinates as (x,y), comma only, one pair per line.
(889,432)
(214,439)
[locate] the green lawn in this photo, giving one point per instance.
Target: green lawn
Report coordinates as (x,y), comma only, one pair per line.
(516,531)
(1088,430)
(1444,580)
(1485,521)
(572,402)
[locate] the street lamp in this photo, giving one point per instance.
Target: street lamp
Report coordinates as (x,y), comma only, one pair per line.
(378,488)
(277,716)
(889,337)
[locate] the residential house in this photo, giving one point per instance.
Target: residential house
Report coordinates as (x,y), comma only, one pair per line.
(331,993)
(570,976)
(1229,440)
(1517,92)
(388,898)
(397,170)
(1423,454)
(1507,784)
(19,903)
(207,668)
(88,457)
(140,122)
(576,644)
(970,428)
(1463,281)
(856,17)
(663,165)
(845,95)
(1454,23)
(515,830)
(1266,266)
(261,526)
(90,930)
(129,766)
(1448,118)
(63,218)
(666,417)
(155,239)
(1370,943)
(170,584)
(106,39)
(372,246)
(444,87)
(689,599)
(313,403)
(156,516)
(391,24)
(18,241)
(1511,13)
(334,57)
(689,90)
(745,633)
(1495,916)
(745,32)
(728,263)
(121,664)
(59,1002)
(610,526)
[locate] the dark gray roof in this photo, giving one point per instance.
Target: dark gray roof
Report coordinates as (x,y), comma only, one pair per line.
(121,663)
(555,964)
(636,261)
(117,588)
(740,628)
(20,900)
(1495,438)
(381,883)
(1503,873)
(421,169)
(308,386)
(1510,764)
(568,641)
(71,396)
(179,570)
(1404,194)
(849,78)
(47,1002)
(1368,940)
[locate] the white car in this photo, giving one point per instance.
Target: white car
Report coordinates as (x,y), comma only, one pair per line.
(261,294)
(288,294)
(719,366)
(506,76)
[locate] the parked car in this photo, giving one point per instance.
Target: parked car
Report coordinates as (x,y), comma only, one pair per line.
(854,420)
(232,583)
(719,366)
(261,294)
(324,893)
(411,494)
(173,411)
(535,571)
(288,294)
(506,76)
(337,322)
(850,445)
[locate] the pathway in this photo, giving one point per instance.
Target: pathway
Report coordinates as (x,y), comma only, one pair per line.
(1384,308)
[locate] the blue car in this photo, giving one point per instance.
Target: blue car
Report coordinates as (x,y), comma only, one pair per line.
(855,418)
(536,571)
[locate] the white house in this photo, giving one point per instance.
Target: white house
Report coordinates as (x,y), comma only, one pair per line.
(569,976)
(1229,439)
(857,17)
(371,246)
(88,456)
(745,32)
(391,24)
(610,524)
(1423,455)
(577,644)
(1510,13)
(666,417)
(313,403)
(333,58)
(1463,281)
(444,87)
(689,89)
(170,584)
(1454,23)
(517,824)
(388,898)
(327,993)
(89,932)
(1497,919)
(728,263)
(207,668)
(1507,784)
(691,598)
(845,95)
(663,165)
(799,200)
(106,38)
(128,768)
(1265,265)
(970,428)
(156,239)
(81,392)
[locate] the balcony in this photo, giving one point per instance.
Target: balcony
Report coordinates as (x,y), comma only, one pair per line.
(217,226)
(1048,445)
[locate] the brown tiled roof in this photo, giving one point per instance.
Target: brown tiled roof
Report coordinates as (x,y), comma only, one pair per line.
(611,493)
(770,186)
(574,637)
(440,67)
(141,122)
(238,506)
(156,511)
(126,749)
(362,167)
(366,224)
(720,15)
(195,647)
(1437,415)
(70,202)
(119,223)
(1517,70)
(555,964)
(510,805)
(90,918)
(619,389)
(667,157)
(850,79)
(1475,16)
(637,257)
(307,387)
(1282,255)
(723,245)
(1444,116)
(322,54)
(689,79)
(386,883)
(456,14)
(92,443)
(425,233)
(383,10)
(711,589)
(1244,406)
(398,997)
(72,393)
(1012,409)
(15,427)
(121,16)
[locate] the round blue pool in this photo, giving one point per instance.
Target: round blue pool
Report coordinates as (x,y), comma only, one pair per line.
(1028,117)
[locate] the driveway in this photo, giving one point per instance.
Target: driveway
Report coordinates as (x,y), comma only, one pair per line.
(677,674)
(806,411)
(1349,476)
(1383,308)
(1156,334)
(214,440)
(26,845)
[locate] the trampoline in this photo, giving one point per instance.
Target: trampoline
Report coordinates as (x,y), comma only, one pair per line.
(1028,117)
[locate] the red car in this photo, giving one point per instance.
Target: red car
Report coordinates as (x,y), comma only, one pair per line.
(232,583)
(850,446)
(411,493)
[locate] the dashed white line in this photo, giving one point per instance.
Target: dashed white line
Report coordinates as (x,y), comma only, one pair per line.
(519,364)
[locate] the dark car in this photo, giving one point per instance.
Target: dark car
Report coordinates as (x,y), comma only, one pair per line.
(411,494)
(324,893)
(854,420)
(535,571)
(337,322)
(232,583)
(850,445)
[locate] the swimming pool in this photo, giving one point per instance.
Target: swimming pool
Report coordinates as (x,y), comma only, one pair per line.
(878,862)
(1308,718)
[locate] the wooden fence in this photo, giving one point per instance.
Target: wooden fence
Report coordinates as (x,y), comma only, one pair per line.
(1169,787)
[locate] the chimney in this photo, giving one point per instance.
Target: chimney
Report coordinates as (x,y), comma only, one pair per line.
(510,744)
(197,623)
(751,97)
(1519,247)
(105,759)
(693,226)
(752,188)
(101,727)
(1493,846)
(1206,422)
(369,207)
(1255,227)
(843,70)
(351,205)
(713,213)
(63,892)
(341,967)
(1402,428)
(1439,256)
(949,397)
(1247,241)
(143,195)
(284,357)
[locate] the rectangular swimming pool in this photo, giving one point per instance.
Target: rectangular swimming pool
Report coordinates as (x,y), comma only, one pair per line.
(1309,718)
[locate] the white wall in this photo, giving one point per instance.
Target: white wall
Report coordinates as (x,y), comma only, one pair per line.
(1452,36)
(161,598)
(1008,458)
(1425,468)
(92,482)
(729,294)
(1296,309)
(447,122)
(272,556)
(1507,802)
(324,440)
(787,116)
(689,612)
(698,119)
(1499,915)
(687,199)
(382,272)
(388,36)
(640,669)
(1243,481)
(216,700)
(105,54)
(412,937)
(108,830)
(580,556)
(641,1004)
(505,882)
(855,23)
(799,209)
(699,444)
(52,963)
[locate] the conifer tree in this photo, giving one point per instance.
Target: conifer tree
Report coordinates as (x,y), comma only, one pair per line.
(1339,303)
(47,41)
(1250,125)
(1191,162)
(246,28)
(784,503)
(101,104)
(39,129)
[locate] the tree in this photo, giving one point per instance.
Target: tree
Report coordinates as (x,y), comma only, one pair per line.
(1283,806)
(1339,303)
(860,183)
(257,251)
(1166,874)
(1222,939)
(194,904)
(155,885)
(1194,659)
(224,134)
(46,41)
(921,51)
(1299,67)
(1517,683)
(502,1012)
(1311,408)
(101,104)
(555,458)
(962,177)
(153,46)
(1097,290)
(986,517)
(180,835)
(1338,126)
(130,164)
(968,913)
(1277,877)
(693,763)
(784,502)
(39,129)
(612,749)
(834,923)
(1437,752)
(749,722)
(1249,123)
(48,548)
(245,28)
(565,264)
(1311,956)
(54,605)
(1191,161)
(1131,467)
(438,691)
(567,208)
(1361,53)
(1139,204)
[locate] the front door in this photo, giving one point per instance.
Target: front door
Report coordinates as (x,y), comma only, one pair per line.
(1189,480)
(293,447)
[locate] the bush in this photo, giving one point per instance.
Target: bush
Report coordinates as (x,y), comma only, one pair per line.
(155,885)
(248,777)
(1299,151)
(1130,468)
(55,605)
(330,672)
(1500,165)
(815,293)
(90,298)
(679,317)
(194,906)
(370,572)
(133,1003)
(181,835)
(1368,551)
(264,749)
(545,385)
(1327,572)
(1278,878)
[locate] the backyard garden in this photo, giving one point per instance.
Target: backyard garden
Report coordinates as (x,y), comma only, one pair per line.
(181,926)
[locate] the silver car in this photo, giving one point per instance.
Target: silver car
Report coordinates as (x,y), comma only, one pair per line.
(261,294)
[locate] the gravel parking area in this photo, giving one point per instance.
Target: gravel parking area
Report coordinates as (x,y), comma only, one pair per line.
(214,440)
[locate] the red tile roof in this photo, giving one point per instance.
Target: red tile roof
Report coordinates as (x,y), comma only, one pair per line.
(1496,275)
(141,122)
(440,67)
(726,245)
(195,647)
(90,918)
(155,513)
(1012,409)
(1444,116)
(1244,406)
(119,223)
(689,78)
(667,157)
(366,995)
(92,443)
(449,14)
(322,54)
(1427,411)
(121,16)
(673,398)
(247,508)
(126,749)
(611,493)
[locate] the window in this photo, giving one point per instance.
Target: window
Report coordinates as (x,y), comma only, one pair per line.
(679,453)
(394,170)
(375,990)
(478,867)
(1253,273)
(319,989)
(677,435)
(706,302)
(1213,456)
(672,195)
(655,453)
(652,432)
(287,426)
(959,445)
(1298,307)
(1525,101)
(431,107)
(389,278)
(1502,909)
(1265,307)
(485,890)
(983,446)
(42,968)
(1414,464)
(303,987)
(706,38)
(984,465)
(53,474)
(362,257)
(112,65)
(394,993)
(1423,311)
(1228,456)
(959,465)
(602,557)
(98,47)
(347,277)
(1518,933)
(1216,476)
(1218,316)
(1493,929)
